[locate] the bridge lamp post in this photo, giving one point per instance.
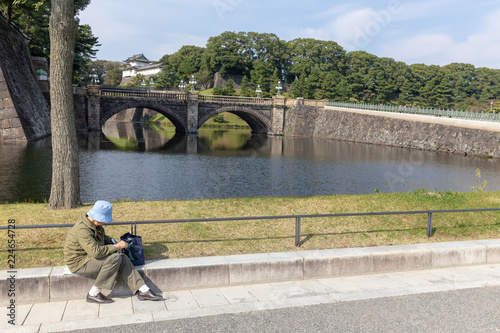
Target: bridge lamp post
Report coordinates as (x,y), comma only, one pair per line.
(279,87)
(152,83)
(181,86)
(143,84)
(258,91)
(192,82)
(93,76)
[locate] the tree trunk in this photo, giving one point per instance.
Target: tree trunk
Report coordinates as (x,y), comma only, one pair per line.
(65,189)
(9,12)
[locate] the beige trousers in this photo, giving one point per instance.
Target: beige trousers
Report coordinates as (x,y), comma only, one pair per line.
(108,268)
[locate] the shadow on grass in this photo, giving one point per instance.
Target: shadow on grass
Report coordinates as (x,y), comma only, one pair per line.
(308,237)
(156,250)
(311,235)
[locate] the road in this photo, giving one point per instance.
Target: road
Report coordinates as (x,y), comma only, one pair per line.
(468,310)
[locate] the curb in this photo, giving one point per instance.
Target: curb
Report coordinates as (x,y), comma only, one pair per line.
(50,284)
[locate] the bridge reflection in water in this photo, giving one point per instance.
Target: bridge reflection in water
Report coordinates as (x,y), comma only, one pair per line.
(153,138)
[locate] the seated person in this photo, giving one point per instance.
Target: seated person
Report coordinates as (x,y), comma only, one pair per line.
(85,253)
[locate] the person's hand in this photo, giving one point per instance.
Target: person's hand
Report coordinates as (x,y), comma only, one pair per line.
(121,245)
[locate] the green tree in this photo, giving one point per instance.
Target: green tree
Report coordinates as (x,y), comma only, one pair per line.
(307,53)
(218,90)
(298,87)
(262,74)
(167,78)
(6,5)
(186,61)
(113,77)
(137,81)
(360,71)
(245,87)
(334,87)
(229,89)
(225,54)
(313,84)
(274,82)
(204,78)
(108,72)
(34,16)
(84,51)
(267,48)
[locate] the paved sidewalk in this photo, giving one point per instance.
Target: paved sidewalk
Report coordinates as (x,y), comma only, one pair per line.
(77,314)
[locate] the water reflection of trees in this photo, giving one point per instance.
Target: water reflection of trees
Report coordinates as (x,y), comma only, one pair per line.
(224,139)
(26,171)
(145,137)
(135,136)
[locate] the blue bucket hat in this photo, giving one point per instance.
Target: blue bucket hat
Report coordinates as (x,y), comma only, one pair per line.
(101,212)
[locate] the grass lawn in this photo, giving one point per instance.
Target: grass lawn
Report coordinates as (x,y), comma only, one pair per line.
(43,247)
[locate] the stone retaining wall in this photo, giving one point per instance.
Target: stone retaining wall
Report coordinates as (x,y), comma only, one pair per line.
(24,112)
(365,128)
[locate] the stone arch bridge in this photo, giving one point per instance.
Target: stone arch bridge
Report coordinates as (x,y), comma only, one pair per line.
(187,111)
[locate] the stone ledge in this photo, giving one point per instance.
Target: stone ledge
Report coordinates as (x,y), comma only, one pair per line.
(457,254)
(45,284)
(187,273)
(492,250)
(268,267)
(335,262)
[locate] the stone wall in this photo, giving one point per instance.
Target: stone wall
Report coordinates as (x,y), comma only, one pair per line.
(24,112)
(356,127)
(10,125)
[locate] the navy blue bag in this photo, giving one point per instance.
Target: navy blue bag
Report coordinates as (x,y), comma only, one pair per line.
(135,250)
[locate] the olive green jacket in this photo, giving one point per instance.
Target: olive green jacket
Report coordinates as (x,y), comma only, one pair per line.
(84,241)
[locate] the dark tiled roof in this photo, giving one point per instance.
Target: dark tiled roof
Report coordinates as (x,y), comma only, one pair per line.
(137,57)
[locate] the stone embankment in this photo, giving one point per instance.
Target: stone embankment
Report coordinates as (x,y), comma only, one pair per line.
(463,137)
(24,112)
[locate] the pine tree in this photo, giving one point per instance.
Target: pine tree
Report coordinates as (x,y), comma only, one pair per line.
(229,90)
(245,88)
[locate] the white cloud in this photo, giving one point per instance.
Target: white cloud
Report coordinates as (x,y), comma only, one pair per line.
(339,9)
(411,10)
(420,46)
(344,29)
(480,48)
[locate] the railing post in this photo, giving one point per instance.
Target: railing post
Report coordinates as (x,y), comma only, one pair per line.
(429,224)
(297,231)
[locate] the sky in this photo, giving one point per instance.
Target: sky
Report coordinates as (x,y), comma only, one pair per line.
(433,32)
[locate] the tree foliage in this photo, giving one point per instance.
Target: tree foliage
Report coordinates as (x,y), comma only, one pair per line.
(32,17)
(323,70)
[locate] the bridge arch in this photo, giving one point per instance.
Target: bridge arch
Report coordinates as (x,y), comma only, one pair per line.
(173,112)
(259,122)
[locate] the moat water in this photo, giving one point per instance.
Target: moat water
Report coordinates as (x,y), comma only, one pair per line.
(129,161)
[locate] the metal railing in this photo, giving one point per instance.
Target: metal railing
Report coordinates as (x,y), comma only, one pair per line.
(143,93)
(235,99)
(297,218)
(484,116)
